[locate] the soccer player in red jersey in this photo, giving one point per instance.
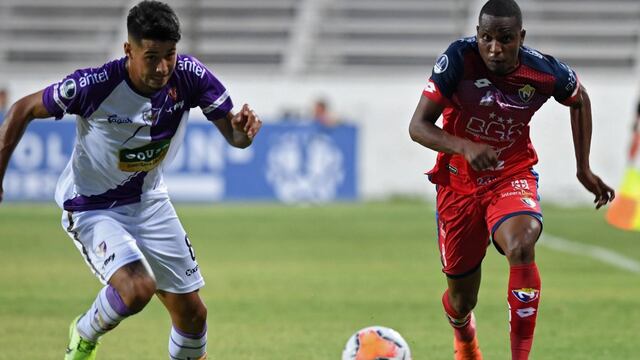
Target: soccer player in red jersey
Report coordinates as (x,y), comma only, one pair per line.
(487,88)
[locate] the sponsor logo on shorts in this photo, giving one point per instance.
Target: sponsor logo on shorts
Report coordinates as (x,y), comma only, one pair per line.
(108,260)
(529,202)
(452,169)
(526,295)
(516,193)
(190,272)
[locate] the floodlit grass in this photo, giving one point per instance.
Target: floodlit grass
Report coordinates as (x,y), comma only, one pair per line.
(296,282)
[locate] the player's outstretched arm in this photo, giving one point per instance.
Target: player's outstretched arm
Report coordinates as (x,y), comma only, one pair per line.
(424,131)
(15,122)
(581,130)
(240,129)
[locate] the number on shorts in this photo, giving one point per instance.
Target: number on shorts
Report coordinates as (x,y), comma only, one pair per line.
(191,252)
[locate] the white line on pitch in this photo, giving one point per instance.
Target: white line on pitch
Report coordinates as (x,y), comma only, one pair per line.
(596,252)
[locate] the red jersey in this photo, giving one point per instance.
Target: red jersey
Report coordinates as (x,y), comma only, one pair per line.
(485,107)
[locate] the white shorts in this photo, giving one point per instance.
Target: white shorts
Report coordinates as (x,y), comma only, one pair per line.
(149,231)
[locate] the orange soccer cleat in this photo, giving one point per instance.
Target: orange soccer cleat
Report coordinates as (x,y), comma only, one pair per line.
(467,349)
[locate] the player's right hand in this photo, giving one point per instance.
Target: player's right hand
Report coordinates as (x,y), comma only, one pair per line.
(480,156)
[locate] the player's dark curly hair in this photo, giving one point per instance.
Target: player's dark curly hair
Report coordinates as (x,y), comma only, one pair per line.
(153,20)
(502,8)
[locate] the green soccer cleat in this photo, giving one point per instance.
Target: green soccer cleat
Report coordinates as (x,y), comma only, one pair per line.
(79,348)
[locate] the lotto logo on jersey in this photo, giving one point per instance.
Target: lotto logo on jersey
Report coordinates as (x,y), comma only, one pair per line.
(526,295)
(143,158)
(430,87)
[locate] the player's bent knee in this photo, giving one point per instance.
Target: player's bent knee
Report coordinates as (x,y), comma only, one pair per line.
(135,285)
(463,303)
(521,249)
(195,315)
(199,316)
(143,291)
(517,239)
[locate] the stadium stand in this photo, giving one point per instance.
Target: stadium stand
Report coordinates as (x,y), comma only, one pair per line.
(587,33)
(314,36)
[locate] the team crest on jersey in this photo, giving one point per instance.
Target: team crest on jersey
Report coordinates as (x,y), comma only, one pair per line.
(68,89)
(173,94)
(441,64)
(150,117)
(526,93)
(526,295)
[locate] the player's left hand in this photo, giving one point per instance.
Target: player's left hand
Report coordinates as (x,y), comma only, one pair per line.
(246,121)
(593,183)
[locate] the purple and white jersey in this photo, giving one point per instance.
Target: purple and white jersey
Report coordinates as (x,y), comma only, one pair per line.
(124,139)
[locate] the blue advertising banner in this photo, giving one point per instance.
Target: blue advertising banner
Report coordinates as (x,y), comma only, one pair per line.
(288,162)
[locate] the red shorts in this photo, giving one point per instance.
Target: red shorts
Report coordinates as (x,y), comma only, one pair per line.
(466,223)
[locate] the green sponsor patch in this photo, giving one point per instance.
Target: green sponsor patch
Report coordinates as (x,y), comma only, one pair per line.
(144,158)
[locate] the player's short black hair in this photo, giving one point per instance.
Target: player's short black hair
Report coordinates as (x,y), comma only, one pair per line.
(153,20)
(502,8)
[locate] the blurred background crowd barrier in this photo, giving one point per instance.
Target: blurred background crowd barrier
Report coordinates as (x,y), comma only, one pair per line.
(368,60)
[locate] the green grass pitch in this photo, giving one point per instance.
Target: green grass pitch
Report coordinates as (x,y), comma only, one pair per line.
(296,282)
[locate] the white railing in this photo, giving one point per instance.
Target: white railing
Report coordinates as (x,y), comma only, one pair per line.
(313,36)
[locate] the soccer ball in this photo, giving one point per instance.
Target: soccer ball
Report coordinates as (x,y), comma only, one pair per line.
(376,343)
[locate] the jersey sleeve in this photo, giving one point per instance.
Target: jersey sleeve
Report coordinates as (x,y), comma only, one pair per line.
(81,92)
(66,96)
(213,97)
(567,85)
(446,73)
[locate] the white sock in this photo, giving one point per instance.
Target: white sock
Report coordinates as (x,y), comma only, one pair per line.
(183,346)
(105,314)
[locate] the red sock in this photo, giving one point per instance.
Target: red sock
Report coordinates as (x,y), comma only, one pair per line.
(523,298)
(463,329)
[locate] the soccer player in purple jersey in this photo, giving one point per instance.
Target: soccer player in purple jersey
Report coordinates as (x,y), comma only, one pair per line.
(487,88)
(131,118)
